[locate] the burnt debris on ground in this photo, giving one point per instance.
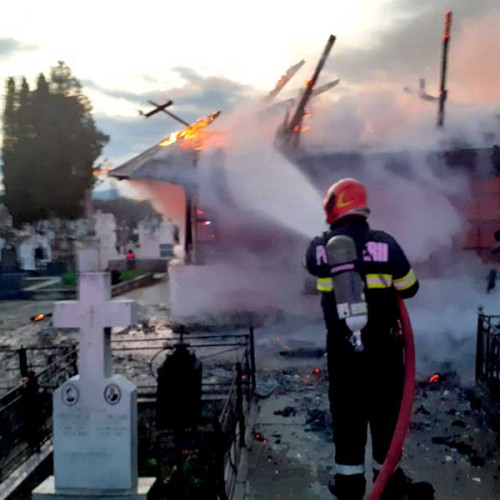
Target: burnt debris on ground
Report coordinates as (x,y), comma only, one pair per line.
(452,441)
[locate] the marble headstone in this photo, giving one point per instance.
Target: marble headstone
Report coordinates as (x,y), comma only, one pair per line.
(95,412)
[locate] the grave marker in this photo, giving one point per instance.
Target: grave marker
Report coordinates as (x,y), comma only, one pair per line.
(95,412)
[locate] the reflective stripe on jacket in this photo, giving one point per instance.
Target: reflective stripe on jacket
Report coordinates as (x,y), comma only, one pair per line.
(384,264)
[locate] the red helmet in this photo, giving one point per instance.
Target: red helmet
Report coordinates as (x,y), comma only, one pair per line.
(345,197)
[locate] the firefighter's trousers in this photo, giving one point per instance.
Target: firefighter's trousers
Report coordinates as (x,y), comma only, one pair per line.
(365,390)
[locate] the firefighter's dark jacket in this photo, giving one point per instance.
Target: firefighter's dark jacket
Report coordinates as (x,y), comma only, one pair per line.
(382,263)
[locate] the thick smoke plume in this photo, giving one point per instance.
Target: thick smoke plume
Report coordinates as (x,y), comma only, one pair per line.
(266,207)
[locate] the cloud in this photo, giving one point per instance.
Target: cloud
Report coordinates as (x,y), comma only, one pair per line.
(131,136)
(369,108)
(187,74)
(9,46)
(410,47)
(198,97)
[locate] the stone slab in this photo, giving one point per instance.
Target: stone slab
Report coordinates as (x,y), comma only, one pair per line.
(47,491)
(95,434)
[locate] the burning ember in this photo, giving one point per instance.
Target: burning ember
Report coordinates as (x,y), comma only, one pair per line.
(434,379)
(40,317)
(301,127)
(259,437)
(194,136)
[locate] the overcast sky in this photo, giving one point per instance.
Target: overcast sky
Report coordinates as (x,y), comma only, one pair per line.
(214,55)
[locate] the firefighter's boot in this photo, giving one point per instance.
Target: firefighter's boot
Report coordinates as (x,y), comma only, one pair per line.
(348,487)
(401,487)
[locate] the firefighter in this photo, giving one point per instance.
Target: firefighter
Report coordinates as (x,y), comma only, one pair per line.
(366,380)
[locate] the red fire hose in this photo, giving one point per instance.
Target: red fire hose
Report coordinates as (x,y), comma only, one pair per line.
(396,448)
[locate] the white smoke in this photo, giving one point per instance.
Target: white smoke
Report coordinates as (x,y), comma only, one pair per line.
(265,209)
(444,317)
(261,179)
(416,197)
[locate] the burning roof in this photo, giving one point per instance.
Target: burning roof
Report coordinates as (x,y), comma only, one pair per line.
(171,159)
(193,136)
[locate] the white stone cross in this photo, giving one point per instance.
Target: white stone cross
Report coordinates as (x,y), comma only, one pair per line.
(94,313)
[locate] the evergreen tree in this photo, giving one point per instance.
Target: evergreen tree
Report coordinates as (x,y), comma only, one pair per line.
(55,146)
(9,143)
(18,136)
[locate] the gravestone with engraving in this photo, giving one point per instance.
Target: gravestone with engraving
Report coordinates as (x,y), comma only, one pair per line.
(95,412)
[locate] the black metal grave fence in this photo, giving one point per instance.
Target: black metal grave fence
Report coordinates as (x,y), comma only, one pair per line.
(32,374)
(488,351)
(26,408)
(228,386)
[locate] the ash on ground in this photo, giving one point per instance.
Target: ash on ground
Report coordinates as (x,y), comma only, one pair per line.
(453,440)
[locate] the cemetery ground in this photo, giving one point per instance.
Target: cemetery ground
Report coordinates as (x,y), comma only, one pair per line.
(453,440)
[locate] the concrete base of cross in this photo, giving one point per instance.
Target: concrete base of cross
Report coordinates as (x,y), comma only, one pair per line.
(47,491)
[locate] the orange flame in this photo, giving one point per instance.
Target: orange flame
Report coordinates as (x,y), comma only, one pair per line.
(435,378)
(304,128)
(39,317)
(194,136)
(102,171)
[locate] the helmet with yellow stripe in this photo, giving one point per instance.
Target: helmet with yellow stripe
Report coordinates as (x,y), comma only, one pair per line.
(345,197)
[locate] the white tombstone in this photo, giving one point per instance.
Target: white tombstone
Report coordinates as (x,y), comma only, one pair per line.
(43,241)
(156,240)
(167,228)
(105,232)
(149,240)
(166,238)
(95,412)
(27,255)
(28,250)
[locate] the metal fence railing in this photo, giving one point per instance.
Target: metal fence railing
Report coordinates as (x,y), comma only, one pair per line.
(232,427)
(26,409)
(488,351)
(10,369)
(222,350)
(227,389)
(33,374)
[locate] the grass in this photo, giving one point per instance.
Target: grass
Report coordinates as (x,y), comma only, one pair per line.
(70,280)
(130,275)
